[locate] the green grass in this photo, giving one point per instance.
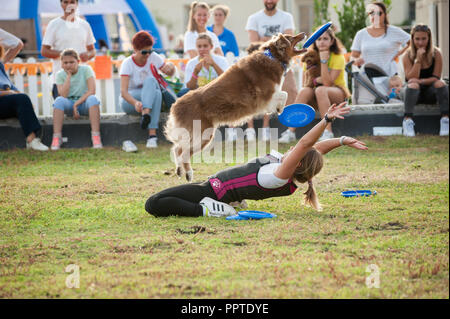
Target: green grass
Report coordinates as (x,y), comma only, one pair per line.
(86,207)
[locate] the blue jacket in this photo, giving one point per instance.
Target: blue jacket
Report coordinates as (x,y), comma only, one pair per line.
(227,41)
(5,82)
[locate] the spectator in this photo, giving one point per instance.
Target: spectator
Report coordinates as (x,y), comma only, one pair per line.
(226,37)
(139,90)
(11,44)
(68,31)
(16,104)
(261,26)
(331,87)
(423,69)
(198,17)
(76,90)
(380,43)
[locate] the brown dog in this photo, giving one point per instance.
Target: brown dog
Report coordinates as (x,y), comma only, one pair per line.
(250,87)
(312,60)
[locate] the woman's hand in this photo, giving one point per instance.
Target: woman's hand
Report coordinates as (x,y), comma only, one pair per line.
(138,106)
(421,54)
(168,68)
(324,55)
(337,111)
(84,57)
(359,62)
(76,114)
(353,142)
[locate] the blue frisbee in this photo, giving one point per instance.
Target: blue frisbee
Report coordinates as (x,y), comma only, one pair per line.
(317,34)
(236,217)
(358,193)
(297,115)
(255,214)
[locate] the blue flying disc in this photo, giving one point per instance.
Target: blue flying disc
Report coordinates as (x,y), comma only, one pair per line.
(317,34)
(255,214)
(297,115)
(358,193)
(236,217)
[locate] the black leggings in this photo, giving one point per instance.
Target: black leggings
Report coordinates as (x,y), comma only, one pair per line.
(180,200)
(20,106)
(426,94)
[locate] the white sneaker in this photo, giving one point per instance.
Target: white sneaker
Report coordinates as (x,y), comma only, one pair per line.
(444,126)
(152,142)
(408,128)
(230,134)
(250,134)
(326,135)
(287,137)
(214,208)
(128,146)
(37,145)
(265,134)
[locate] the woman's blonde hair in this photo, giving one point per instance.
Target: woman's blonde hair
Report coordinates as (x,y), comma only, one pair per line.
(192,25)
(70,52)
(205,36)
(2,51)
(412,50)
(225,9)
(310,165)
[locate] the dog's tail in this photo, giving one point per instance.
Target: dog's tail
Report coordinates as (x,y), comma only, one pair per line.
(169,129)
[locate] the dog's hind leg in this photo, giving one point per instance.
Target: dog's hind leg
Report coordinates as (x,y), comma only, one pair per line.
(176,151)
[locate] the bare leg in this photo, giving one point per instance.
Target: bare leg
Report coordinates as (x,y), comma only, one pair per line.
(327,96)
(58,119)
(31,137)
(94,117)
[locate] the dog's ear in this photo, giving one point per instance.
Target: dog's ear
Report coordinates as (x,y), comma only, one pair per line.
(281,44)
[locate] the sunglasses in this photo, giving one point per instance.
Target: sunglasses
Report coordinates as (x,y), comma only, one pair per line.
(144,52)
(422,28)
(378,13)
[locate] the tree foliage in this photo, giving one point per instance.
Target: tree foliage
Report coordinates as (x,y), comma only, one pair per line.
(320,13)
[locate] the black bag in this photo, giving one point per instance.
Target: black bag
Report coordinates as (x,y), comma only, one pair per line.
(168,95)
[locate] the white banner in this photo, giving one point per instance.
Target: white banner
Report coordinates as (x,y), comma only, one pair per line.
(10,9)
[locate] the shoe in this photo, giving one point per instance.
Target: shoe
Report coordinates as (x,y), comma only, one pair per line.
(231,134)
(326,135)
(287,137)
(96,142)
(128,146)
(250,134)
(56,143)
(408,128)
(152,142)
(145,121)
(444,126)
(215,208)
(265,134)
(37,145)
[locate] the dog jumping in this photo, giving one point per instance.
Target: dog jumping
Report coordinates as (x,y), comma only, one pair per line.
(250,87)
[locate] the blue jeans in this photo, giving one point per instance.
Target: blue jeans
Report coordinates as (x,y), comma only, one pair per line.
(66,105)
(151,98)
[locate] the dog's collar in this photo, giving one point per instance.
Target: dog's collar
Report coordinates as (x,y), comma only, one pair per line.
(269,54)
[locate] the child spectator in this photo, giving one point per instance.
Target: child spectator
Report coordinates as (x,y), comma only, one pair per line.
(395,87)
(76,89)
(198,17)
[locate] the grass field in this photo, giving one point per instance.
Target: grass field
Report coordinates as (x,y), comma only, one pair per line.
(86,207)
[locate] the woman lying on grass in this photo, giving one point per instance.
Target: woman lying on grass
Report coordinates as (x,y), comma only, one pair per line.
(268,176)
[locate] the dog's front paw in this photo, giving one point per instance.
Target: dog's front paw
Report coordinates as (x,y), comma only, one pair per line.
(179,171)
(190,175)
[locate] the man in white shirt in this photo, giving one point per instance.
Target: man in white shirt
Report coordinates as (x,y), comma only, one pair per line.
(261,26)
(12,45)
(68,31)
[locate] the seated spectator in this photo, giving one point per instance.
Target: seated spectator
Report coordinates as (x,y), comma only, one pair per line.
(11,45)
(198,18)
(330,85)
(139,90)
(423,69)
(76,90)
(14,104)
(226,37)
(380,43)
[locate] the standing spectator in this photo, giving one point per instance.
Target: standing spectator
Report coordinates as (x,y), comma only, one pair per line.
(423,69)
(330,85)
(139,90)
(380,43)
(11,44)
(16,104)
(198,17)
(226,37)
(76,90)
(68,31)
(261,26)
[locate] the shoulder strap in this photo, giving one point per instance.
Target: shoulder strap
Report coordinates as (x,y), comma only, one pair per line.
(158,77)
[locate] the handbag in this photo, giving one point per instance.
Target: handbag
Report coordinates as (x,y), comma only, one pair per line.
(168,95)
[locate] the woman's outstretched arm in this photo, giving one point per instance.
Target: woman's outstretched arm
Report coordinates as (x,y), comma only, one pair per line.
(326,146)
(294,157)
